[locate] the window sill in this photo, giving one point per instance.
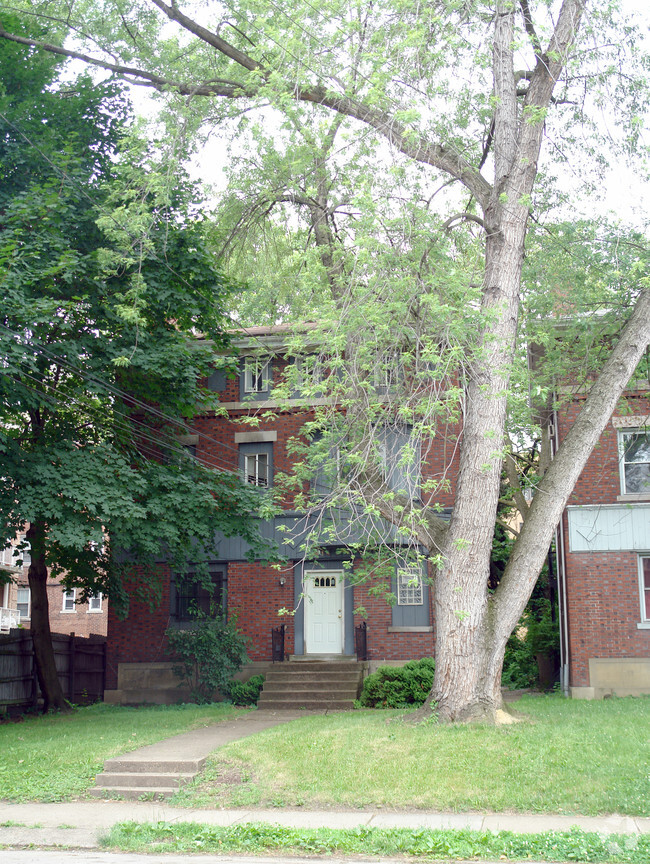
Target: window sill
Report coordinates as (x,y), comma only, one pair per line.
(637,496)
(410,629)
(643,625)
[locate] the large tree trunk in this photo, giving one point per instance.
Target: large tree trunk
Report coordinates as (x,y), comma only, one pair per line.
(48,679)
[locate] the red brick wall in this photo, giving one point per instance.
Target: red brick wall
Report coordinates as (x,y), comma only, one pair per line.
(599,482)
(81,622)
(140,637)
(254,598)
(603,595)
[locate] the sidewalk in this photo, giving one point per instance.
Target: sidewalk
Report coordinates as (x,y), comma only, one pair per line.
(81,823)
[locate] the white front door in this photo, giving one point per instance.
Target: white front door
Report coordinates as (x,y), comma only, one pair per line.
(323,611)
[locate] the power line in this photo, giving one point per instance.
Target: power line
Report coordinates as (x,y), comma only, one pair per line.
(124,426)
(123,394)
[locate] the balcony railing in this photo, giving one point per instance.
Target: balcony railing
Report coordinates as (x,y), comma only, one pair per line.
(9,619)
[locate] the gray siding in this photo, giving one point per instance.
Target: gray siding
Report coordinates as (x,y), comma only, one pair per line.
(609,527)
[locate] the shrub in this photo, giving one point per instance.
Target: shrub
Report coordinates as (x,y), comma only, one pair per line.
(246,692)
(209,653)
(398,686)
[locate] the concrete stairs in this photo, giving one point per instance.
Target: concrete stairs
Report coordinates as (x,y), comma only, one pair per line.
(137,780)
(312,685)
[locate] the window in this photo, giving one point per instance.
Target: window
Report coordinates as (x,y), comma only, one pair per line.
(634,449)
(193,598)
(69,598)
(256,464)
(95,602)
(7,557)
(23,602)
(411,610)
(308,373)
(409,588)
(256,375)
(256,470)
(388,372)
(644,586)
(399,453)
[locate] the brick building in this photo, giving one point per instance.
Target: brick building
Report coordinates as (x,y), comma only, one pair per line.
(604,554)
(67,613)
(327,607)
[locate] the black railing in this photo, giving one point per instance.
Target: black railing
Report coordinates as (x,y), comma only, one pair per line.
(361,641)
(277,644)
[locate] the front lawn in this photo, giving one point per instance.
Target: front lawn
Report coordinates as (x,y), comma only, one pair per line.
(55,757)
(566,756)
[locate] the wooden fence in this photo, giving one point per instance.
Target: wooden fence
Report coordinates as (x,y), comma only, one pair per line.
(80,662)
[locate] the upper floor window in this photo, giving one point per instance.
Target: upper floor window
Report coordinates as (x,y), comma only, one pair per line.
(256,469)
(256,463)
(69,600)
(634,448)
(308,373)
(388,371)
(256,375)
(95,602)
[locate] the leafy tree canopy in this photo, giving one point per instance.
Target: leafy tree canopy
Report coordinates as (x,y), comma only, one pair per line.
(106,283)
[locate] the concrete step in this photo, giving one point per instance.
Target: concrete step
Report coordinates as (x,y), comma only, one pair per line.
(312,692)
(149,780)
(311,681)
(317,666)
(291,703)
(124,765)
(153,793)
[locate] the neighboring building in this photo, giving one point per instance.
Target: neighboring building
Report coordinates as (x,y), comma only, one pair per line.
(605,556)
(67,613)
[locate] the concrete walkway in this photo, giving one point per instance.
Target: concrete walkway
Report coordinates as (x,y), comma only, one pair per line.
(80,823)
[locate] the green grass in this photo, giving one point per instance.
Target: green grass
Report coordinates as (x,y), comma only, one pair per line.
(55,757)
(565,757)
(575,845)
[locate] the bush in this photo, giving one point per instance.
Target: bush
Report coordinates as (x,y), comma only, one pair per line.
(209,653)
(246,692)
(398,686)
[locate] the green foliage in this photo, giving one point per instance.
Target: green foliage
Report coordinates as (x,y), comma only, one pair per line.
(421,843)
(101,367)
(398,686)
(209,653)
(245,692)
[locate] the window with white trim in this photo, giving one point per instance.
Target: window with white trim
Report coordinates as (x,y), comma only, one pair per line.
(23,602)
(256,375)
(256,463)
(95,602)
(69,598)
(409,588)
(644,587)
(634,449)
(256,469)
(308,372)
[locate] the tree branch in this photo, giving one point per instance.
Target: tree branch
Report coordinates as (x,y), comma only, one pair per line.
(411,144)
(462,217)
